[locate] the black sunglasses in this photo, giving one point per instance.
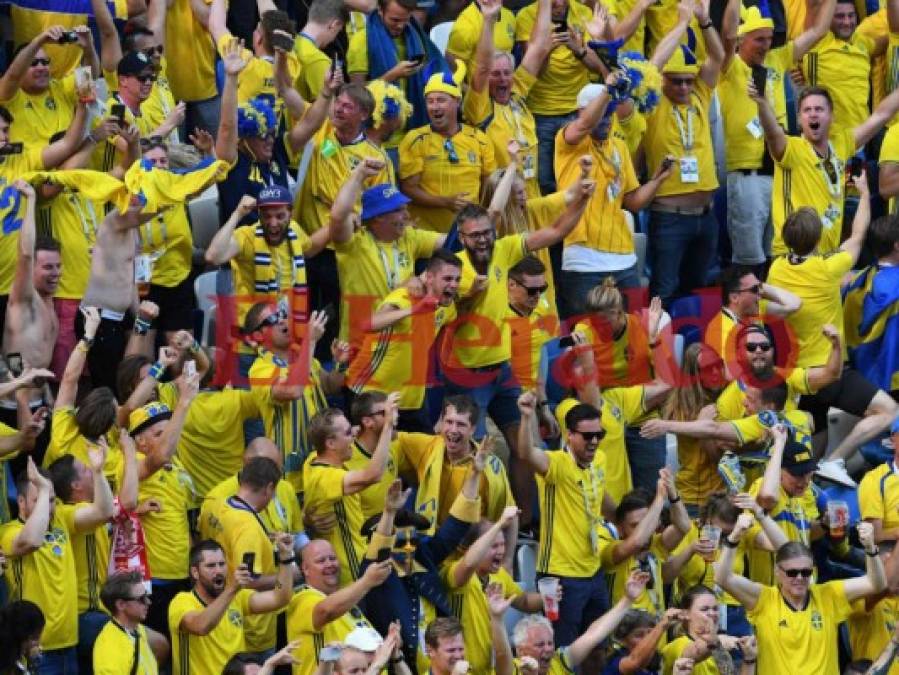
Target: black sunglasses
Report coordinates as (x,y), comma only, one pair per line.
(590,435)
(451,151)
(805,572)
(758,347)
(145,599)
(533,290)
(39,62)
(152,142)
(143,79)
(272,319)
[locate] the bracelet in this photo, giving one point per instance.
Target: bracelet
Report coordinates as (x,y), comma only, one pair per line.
(194,348)
(543,404)
(82,347)
(398,659)
(705,26)
(89,341)
(141,325)
(726,541)
(874,553)
(674,500)
(581,56)
(342,367)
(156,370)
(748,661)
(289,561)
(90,136)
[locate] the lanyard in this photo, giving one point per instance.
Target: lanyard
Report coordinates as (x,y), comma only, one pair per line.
(391,272)
(591,517)
(512,113)
(238,502)
(614,162)
(832,177)
(686,135)
(88,220)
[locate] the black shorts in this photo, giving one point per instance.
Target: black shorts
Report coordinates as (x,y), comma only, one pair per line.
(176,305)
(852,393)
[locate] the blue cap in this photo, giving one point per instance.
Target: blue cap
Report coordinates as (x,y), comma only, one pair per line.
(895,428)
(274,195)
(381,199)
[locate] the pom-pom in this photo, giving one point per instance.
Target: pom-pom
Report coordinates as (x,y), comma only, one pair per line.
(256,118)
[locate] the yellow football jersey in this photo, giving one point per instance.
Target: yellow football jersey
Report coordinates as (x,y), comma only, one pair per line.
(207,653)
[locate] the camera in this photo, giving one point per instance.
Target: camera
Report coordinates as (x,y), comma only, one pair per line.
(67,37)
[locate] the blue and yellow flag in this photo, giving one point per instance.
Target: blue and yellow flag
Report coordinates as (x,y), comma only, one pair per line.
(872,325)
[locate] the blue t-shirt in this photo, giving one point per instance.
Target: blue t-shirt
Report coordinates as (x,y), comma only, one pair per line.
(611,667)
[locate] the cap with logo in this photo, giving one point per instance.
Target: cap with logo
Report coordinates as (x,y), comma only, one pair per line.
(381,199)
(274,195)
(798,458)
(134,63)
(146,416)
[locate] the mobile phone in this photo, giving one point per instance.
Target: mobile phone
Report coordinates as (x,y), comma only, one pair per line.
(14,362)
(117,111)
(329,654)
(760,79)
(383,555)
(190,368)
(12,149)
(855,166)
(282,41)
(566,342)
(667,163)
(560,26)
(68,37)
(418,59)
(646,567)
(249,559)
(336,64)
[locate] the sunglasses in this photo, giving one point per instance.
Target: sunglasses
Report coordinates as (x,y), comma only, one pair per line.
(39,62)
(753,347)
(152,142)
(145,599)
(272,319)
(533,290)
(451,151)
(805,572)
(158,49)
(590,435)
(756,289)
(144,79)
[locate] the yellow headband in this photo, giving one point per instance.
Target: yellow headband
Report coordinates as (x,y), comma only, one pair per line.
(446,83)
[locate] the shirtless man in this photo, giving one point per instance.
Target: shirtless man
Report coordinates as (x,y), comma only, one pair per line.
(111,287)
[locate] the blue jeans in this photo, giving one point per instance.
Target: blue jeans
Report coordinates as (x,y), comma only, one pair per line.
(583,601)
(574,286)
(59,662)
(681,250)
(547,126)
(646,456)
(496,392)
(90,623)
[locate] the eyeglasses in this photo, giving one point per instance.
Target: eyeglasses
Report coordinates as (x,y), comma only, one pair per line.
(753,347)
(681,81)
(804,572)
(480,234)
(590,435)
(755,289)
(533,290)
(145,599)
(450,151)
(39,62)
(272,319)
(143,79)
(158,49)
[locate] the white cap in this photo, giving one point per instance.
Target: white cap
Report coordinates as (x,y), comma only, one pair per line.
(589,93)
(363,638)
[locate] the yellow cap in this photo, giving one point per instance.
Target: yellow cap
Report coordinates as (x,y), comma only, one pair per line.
(682,62)
(146,416)
(751,19)
(447,84)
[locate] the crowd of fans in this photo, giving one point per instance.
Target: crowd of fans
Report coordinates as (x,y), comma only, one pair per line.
(533,339)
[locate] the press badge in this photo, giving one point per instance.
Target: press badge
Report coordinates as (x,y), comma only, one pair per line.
(143,268)
(613,190)
(689,170)
(528,171)
(830,217)
(754,127)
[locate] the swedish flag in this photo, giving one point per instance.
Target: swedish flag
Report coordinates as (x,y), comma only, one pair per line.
(871,312)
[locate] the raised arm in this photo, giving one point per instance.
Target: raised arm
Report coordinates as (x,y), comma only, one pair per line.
(670,42)
(698,428)
(343,600)
(497,605)
(147,386)
(772,537)
(226,139)
(262,602)
(882,114)
(781,302)
(224,246)
(187,391)
(641,655)
(11,79)
(714,50)
(110,47)
(730,25)
(203,621)
(100,510)
(307,126)
(770,488)
(680,519)
(490,10)
(639,538)
(744,590)
(22,290)
(861,221)
(68,386)
(527,452)
(72,140)
(129,488)
(820,376)
(564,224)
(504,187)
(775,138)
(201,12)
(480,549)
(587,118)
(218,15)
(820,14)
(603,627)
(359,479)
(31,536)
(343,208)
(875,579)
(541,42)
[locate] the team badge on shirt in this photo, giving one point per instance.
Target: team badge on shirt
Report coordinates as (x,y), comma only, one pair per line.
(473,158)
(50,103)
(498,273)
(817,621)
(235,618)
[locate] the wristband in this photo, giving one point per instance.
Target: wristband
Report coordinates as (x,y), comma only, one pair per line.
(342,367)
(748,661)
(289,561)
(141,326)
(872,554)
(704,26)
(90,136)
(89,341)
(82,347)
(156,370)
(674,500)
(581,56)
(730,544)
(398,659)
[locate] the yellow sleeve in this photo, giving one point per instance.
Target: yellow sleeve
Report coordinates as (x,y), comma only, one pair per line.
(889,149)
(870,500)
(8,534)
(178,607)
(302,607)
(476,108)
(510,588)
(629,181)
(749,429)
(411,161)
(798,379)
(246,404)
(791,153)
(424,243)
(415,448)
(461,43)
(631,400)
(325,483)
(522,81)
(782,58)
(357,54)
(448,574)
(838,264)
(261,376)
(487,150)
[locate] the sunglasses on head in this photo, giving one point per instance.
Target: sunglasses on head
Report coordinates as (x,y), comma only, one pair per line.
(272,319)
(39,62)
(753,347)
(152,142)
(804,572)
(451,151)
(591,435)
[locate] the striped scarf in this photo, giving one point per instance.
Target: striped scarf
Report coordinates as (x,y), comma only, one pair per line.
(266,278)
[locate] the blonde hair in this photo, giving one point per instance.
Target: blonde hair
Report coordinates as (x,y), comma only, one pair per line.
(514,217)
(687,399)
(604,297)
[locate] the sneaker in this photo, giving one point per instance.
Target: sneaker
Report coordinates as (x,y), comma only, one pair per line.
(835,470)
